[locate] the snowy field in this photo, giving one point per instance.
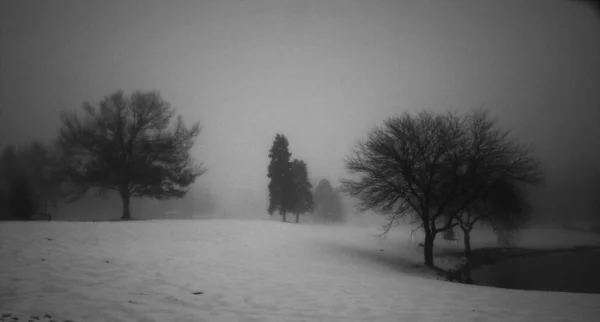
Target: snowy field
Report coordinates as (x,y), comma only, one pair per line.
(249,271)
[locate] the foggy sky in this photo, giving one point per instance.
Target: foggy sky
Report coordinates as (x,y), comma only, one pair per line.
(321,72)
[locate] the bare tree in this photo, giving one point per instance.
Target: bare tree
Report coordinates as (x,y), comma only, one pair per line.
(503,206)
(432,167)
(129,144)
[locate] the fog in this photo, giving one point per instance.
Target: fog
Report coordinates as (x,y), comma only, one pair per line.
(321,72)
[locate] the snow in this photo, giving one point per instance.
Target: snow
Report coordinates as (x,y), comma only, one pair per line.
(248,270)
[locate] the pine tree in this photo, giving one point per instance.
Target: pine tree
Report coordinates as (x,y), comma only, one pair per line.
(338,208)
(303,201)
(281,194)
(328,203)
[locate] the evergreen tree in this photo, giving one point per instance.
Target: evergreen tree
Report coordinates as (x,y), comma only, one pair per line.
(339,210)
(303,201)
(281,186)
(328,204)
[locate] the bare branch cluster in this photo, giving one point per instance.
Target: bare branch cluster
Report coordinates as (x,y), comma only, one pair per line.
(433,166)
(130,144)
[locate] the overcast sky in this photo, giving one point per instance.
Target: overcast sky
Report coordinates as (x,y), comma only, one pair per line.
(321,72)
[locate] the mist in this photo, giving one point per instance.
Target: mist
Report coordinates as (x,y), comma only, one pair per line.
(324,73)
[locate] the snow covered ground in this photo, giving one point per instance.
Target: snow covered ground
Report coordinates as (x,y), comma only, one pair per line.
(246,271)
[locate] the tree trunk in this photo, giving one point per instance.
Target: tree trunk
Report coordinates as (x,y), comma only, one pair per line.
(283,216)
(428,246)
(297,217)
(467,240)
(126,201)
(428,249)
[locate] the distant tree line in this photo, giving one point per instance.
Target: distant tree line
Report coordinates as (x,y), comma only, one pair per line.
(443,171)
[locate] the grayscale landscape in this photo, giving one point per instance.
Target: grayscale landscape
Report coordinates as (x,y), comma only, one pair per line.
(299,160)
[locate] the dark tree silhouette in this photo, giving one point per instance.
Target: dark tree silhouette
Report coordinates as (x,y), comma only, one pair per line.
(303,200)
(433,166)
(129,144)
(281,186)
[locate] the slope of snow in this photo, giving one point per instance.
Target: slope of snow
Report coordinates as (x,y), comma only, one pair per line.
(247,271)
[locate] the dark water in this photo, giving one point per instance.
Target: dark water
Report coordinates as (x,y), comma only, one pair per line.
(576,271)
